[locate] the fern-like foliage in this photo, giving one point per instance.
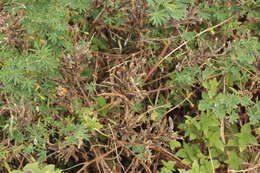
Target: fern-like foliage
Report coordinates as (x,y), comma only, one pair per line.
(164,10)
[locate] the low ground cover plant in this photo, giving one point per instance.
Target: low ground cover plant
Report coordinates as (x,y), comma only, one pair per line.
(129,86)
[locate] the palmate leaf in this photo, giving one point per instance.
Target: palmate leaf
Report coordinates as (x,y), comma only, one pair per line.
(80,5)
(178,14)
(164,10)
(158,17)
(205,13)
(233,116)
(151,3)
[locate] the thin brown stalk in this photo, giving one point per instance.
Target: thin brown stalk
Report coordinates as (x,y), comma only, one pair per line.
(183,44)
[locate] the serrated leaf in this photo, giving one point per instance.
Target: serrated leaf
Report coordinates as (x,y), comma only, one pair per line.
(174,144)
(187,36)
(232,118)
(211,86)
(208,121)
(189,153)
(215,141)
(206,166)
(254,113)
(234,160)
(168,167)
(245,137)
(195,167)
(192,132)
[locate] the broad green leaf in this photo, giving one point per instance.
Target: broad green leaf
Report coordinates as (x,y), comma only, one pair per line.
(254,113)
(245,137)
(207,122)
(232,118)
(211,86)
(195,167)
(174,144)
(234,160)
(31,166)
(206,166)
(187,36)
(189,153)
(192,132)
(168,167)
(214,140)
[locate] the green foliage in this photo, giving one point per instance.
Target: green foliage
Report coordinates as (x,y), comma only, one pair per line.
(189,153)
(234,160)
(49,19)
(74,133)
(140,151)
(210,86)
(245,137)
(203,166)
(98,44)
(117,19)
(188,36)
(88,120)
(186,77)
(168,167)
(174,144)
(164,10)
(254,113)
(33,167)
(22,74)
(101,105)
(223,104)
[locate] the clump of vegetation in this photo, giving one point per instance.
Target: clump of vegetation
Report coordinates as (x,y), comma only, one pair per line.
(129,86)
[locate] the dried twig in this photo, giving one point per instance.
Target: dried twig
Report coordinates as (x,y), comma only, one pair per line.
(171,157)
(184,43)
(98,158)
